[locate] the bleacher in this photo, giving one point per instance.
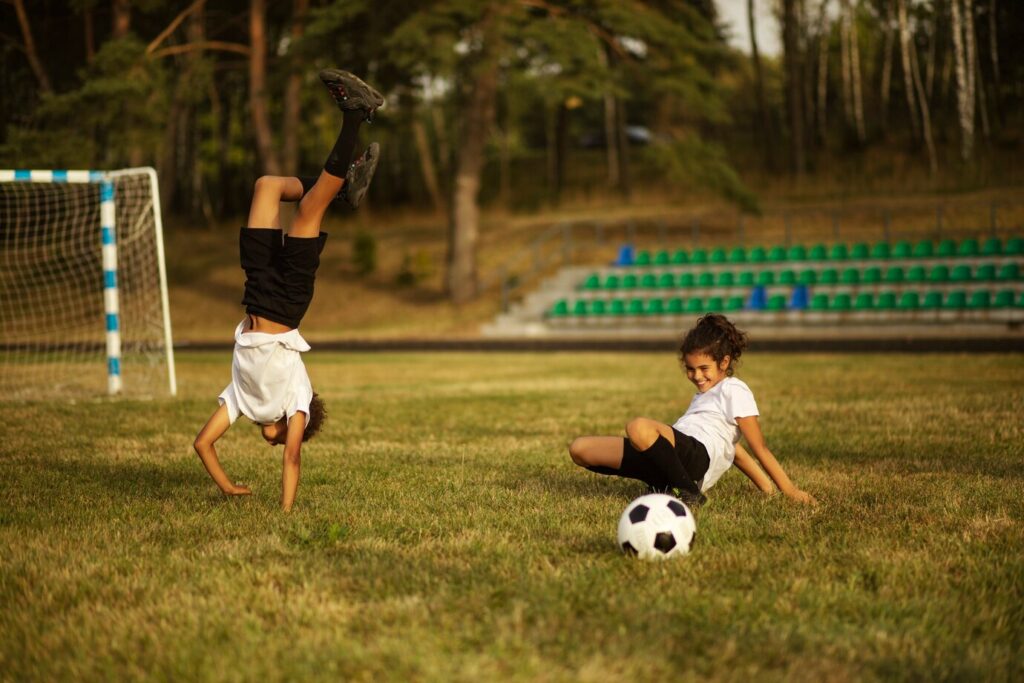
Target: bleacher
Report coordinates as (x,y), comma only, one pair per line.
(923,283)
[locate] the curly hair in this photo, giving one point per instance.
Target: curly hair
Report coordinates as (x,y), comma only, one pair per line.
(317,415)
(717,337)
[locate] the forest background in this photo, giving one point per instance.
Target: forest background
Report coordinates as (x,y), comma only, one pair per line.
(521,105)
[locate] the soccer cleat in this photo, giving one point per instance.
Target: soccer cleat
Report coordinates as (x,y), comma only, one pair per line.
(360,173)
(351,93)
(691,498)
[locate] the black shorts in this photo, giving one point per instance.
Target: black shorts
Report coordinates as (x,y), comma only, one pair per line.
(279,273)
(693,456)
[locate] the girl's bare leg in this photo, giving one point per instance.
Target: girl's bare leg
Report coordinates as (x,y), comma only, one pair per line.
(269,192)
(313,206)
(597,451)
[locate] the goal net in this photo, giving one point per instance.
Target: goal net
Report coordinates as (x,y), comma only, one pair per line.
(83,286)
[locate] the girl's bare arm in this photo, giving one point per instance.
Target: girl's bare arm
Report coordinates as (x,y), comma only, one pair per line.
(748,466)
(750,428)
(214,428)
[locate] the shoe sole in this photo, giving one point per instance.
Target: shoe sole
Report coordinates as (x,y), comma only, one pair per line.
(357,89)
(366,169)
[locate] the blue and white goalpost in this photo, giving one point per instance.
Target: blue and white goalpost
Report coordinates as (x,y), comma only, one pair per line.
(57,228)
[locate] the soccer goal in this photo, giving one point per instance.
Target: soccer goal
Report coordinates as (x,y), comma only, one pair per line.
(83,285)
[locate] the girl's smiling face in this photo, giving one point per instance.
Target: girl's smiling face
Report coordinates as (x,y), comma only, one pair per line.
(703,371)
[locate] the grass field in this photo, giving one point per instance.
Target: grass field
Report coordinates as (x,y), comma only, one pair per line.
(441,532)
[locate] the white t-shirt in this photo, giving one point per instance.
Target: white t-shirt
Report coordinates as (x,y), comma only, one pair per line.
(268,378)
(711,419)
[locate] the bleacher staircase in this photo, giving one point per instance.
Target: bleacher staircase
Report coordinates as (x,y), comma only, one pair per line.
(925,289)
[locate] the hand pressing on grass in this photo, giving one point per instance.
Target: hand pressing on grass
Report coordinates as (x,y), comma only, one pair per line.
(238,490)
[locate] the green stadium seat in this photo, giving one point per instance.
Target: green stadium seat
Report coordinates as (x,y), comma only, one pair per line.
(901,250)
(629,281)
(746,279)
(777,254)
(808,276)
(865,301)
(726,279)
(715,303)
(1013,247)
(687,280)
(829,276)
(886,301)
(635,307)
(1009,271)
(992,247)
(838,252)
(1004,299)
(654,307)
(717,255)
(932,300)
(766,277)
(841,302)
(968,247)
(735,303)
(699,256)
(756,255)
(851,276)
(909,301)
(777,302)
(924,249)
(797,252)
(1020,302)
(612,282)
(859,251)
(980,299)
(598,307)
(706,280)
(939,274)
(675,306)
(960,273)
(617,307)
(956,300)
(819,302)
(580,308)
(787,277)
(695,305)
(817,253)
(880,250)
(560,309)
(643,258)
(738,255)
(947,247)
(667,281)
(872,275)
(679,257)
(649,281)
(916,274)
(593,281)
(661,258)
(986,272)
(894,274)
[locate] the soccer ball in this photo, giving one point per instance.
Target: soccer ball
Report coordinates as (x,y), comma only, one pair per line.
(657,527)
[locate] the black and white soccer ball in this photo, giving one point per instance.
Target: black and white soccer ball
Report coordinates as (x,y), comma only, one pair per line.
(656,527)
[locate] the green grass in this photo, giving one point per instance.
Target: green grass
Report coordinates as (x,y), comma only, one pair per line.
(441,532)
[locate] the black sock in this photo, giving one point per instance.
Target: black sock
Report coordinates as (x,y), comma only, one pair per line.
(663,455)
(341,156)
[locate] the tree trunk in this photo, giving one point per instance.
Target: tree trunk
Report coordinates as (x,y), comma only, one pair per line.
(258,107)
(845,61)
(120,18)
(926,124)
(30,48)
(90,35)
(293,93)
(419,135)
(561,148)
(855,77)
(977,86)
(993,52)
(824,33)
(964,77)
(763,129)
(908,74)
(887,66)
(622,142)
(794,90)
(464,226)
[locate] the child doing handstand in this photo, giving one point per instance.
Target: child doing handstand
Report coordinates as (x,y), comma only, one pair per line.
(269,384)
(687,458)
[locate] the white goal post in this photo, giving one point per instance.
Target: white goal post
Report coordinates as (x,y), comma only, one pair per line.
(83,285)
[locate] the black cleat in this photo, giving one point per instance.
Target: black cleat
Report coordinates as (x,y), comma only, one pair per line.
(692,499)
(351,93)
(360,173)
